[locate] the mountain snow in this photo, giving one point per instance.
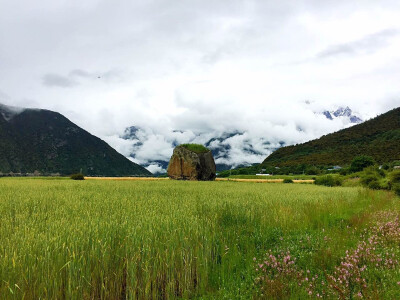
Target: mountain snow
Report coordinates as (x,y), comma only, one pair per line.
(230,149)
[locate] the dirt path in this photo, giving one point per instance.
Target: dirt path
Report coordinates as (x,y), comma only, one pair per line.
(265,180)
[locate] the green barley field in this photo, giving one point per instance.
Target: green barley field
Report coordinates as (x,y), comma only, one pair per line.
(94,239)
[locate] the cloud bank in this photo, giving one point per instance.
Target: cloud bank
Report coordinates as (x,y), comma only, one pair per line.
(194,71)
(235,141)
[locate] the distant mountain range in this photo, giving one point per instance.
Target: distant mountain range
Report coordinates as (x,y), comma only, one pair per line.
(342,112)
(378,138)
(227,147)
(45,142)
(220,146)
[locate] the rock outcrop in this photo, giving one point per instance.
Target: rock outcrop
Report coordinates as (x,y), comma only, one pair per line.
(186,164)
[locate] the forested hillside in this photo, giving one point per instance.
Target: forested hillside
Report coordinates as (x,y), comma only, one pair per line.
(378,138)
(47,142)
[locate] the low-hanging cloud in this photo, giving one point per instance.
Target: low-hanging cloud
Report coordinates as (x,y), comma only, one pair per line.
(77,76)
(367,44)
(201,70)
(55,80)
(235,140)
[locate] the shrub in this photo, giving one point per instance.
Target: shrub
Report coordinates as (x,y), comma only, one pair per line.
(312,171)
(359,163)
(375,170)
(395,177)
(374,178)
(77,176)
(195,148)
(385,184)
(394,181)
(396,188)
(328,180)
(287,180)
(374,185)
(368,178)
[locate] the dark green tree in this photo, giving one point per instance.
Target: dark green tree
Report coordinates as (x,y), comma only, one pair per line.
(359,163)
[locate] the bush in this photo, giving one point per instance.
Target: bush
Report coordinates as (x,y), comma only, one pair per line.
(394,181)
(374,185)
(287,180)
(198,148)
(359,163)
(312,171)
(374,178)
(368,178)
(77,176)
(396,188)
(395,177)
(329,180)
(385,184)
(373,170)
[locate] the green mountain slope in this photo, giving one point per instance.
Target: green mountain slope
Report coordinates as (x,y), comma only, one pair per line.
(45,141)
(378,137)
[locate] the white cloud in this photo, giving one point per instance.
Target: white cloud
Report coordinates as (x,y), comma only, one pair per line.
(204,67)
(237,141)
(156,169)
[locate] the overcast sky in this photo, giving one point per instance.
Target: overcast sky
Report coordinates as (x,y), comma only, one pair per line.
(201,66)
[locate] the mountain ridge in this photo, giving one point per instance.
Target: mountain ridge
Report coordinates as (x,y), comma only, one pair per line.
(231,148)
(47,142)
(378,137)
(345,112)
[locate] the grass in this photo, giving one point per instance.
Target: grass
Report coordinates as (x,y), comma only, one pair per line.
(195,148)
(167,239)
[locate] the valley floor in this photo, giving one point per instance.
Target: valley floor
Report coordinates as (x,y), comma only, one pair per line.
(164,239)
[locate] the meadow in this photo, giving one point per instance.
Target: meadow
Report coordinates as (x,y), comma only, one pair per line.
(93,239)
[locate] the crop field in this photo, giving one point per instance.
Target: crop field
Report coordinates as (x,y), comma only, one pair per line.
(106,239)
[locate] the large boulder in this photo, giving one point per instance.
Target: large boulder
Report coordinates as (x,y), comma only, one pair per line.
(191,162)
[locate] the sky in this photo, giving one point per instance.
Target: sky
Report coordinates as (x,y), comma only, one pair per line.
(186,71)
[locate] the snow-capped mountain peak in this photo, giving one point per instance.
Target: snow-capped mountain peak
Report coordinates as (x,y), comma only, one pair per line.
(342,112)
